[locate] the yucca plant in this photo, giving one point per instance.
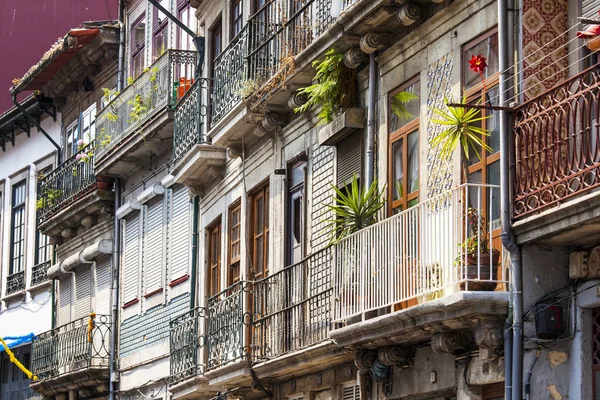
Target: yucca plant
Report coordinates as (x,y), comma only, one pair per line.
(354,210)
(399,102)
(461,130)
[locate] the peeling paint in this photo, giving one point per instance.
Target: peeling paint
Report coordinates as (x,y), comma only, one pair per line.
(554,393)
(555,358)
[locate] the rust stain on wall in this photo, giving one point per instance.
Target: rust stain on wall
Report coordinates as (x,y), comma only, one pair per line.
(555,358)
(554,393)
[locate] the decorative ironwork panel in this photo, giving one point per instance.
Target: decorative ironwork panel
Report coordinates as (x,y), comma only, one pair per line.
(228,317)
(185,342)
(557,144)
(39,273)
(80,344)
(190,115)
(230,75)
(159,86)
(292,307)
(15,282)
(67,183)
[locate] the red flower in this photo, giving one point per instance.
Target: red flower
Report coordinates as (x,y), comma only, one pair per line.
(477,64)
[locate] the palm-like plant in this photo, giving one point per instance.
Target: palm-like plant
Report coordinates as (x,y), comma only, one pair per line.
(399,102)
(354,210)
(462,129)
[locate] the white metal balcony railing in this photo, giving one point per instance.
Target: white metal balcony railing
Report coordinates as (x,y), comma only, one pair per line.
(417,254)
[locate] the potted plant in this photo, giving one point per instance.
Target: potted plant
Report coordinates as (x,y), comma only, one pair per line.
(481,269)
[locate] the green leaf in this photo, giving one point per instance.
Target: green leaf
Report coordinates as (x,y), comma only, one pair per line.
(399,102)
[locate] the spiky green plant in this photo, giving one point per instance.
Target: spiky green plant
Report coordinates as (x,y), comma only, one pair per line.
(461,131)
(354,210)
(399,102)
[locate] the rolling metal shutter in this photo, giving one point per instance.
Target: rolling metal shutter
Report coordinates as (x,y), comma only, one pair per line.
(153,247)
(131,258)
(83,291)
(103,267)
(589,8)
(179,233)
(64,306)
(349,158)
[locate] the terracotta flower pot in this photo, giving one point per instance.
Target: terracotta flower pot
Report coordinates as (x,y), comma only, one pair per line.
(483,272)
(104,183)
(594,44)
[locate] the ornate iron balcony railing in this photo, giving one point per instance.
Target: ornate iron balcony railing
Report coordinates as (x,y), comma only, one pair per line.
(292,306)
(185,344)
(69,182)
(419,254)
(78,345)
(39,273)
(160,86)
(15,282)
(190,115)
(229,317)
(557,144)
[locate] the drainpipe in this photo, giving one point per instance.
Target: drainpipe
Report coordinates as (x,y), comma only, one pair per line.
(370,139)
(194,251)
(115,292)
(505,203)
(33,122)
(121,59)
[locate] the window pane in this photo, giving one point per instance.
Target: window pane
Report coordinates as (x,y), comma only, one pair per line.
(493,122)
(260,217)
(413,162)
(487,48)
(405,106)
(493,178)
(259,255)
(397,172)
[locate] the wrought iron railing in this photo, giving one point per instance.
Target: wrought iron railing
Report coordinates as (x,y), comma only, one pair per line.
(160,86)
(437,247)
(39,273)
(292,307)
(230,75)
(185,343)
(78,345)
(190,115)
(15,282)
(557,144)
(229,321)
(69,182)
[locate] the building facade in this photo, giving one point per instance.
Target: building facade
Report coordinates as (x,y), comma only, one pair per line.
(194,205)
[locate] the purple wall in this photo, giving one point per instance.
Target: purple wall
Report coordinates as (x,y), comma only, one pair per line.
(28,29)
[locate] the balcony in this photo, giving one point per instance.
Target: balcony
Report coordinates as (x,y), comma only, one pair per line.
(15,283)
(557,163)
(406,277)
(72,196)
(134,124)
(73,356)
(39,273)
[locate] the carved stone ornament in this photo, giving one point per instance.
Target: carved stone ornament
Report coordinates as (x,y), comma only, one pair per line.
(364,360)
(353,58)
(408,14)
(488,337)
(450,342)
(393,355)
(372,42)
(271,121)
(297,99)
(234,152)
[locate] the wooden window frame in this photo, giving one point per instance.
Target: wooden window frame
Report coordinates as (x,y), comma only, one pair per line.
(401,133)
(182,6)
(15,208)
(215,227)
(234,261)
(136,51)
(261,192)
(234,19)
(157,29)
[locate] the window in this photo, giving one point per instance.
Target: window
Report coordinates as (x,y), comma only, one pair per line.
(84,127)
(295,232)
(159,30)
(138,43)
(486,46)
(184,14)
(403,166)
(235,231)
(17,257)
(42,241)
(217,39)
(14,384)
(214,258)
(259,228)
(350,391)
(237,11)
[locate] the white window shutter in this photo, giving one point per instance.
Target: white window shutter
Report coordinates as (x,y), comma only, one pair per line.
(131,258)
(103,267)
(83,291)
(153,247)
(179,234)
(64,301)
(351,392)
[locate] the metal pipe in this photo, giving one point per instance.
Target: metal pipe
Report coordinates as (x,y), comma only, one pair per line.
(37,125)
(505,197)
(121,59)
(115,292)
(194,252)
(370,139)
(508,355)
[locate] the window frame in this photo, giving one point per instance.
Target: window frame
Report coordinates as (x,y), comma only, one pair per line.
(183,6)
(159,28)
(234,262)
(262,192)
(293,192)
(21,207)
(39,236)
(236,21)
(136,52)
(402,134)
(214,239)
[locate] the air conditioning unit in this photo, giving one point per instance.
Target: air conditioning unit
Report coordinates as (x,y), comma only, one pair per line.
(578,264)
